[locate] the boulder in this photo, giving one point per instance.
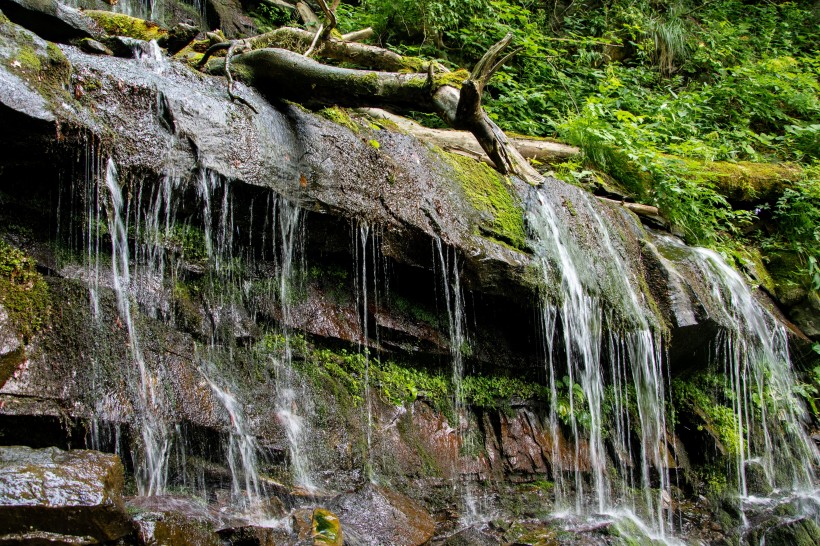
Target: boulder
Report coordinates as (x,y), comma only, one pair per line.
(52,493)
(377,515)
(174,521)
(51,20)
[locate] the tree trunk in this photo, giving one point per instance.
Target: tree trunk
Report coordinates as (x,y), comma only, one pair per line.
(280,73)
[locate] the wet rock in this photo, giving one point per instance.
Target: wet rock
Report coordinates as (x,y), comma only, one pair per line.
(174,521)
(806,315)
(802,532)
(227,15)
(51,19)
(251,535)
(54,492)
(377,515)
(126,47)
(22,107)
(178,37)
(12,351)
(521,451)
(94,47)
(471,537)
(757,482)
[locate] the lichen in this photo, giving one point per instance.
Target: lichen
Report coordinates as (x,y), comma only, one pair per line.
(23,292)
(118,24)
(490,192)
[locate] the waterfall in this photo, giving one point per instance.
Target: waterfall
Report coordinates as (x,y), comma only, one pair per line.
(292,400)
(156,438)
(454,302)
(242,447)
(361,235)
(754,355)
(598,341)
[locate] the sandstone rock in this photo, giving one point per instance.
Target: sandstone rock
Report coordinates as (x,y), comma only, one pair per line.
(50,491)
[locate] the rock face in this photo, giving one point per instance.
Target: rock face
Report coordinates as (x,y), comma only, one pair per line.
(53,492)
(278,258)
(375,515)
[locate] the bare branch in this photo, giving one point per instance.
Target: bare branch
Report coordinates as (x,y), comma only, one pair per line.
(315,40)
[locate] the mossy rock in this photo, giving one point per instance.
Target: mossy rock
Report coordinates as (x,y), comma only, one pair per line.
(118,24)
(23,292)
(746,181)
(491,194)
(42,65)
(340,116)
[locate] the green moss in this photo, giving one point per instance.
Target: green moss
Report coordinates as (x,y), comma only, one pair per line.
(118,24)
(489,192)
(745,180)
(453,79)
(23,292)
(28,59)
(326,528)
(340,116)
(702,398)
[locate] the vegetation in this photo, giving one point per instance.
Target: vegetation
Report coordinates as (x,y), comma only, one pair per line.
(23,292)
(653,93)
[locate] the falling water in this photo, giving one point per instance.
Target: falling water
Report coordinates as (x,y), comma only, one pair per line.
(156,438)
(755,355)
(242,447)
(361,286)
(454,301)
(292,401)
(600,353)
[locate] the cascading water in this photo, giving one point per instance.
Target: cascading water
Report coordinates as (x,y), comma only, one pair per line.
(600,354)
(361,235)
(292,400)
(156,437)
(754,354)
(454,302)
(246,487)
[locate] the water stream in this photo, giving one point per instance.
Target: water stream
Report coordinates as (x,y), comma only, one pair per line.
(753,354)
(156,437)
(598,366)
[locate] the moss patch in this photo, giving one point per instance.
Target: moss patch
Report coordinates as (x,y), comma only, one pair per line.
(23,292)
(490,192)
(117,24)
(340,116)
(698,397)
(45,69)
(746,181)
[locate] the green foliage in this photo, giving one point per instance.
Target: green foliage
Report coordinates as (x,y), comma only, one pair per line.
(492,391)
(642,87)
(24,293)
(797,216)
(707,399)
